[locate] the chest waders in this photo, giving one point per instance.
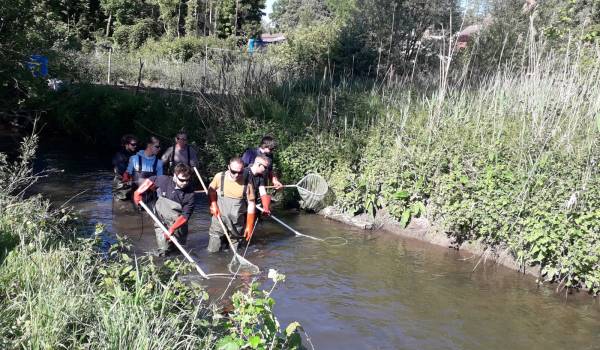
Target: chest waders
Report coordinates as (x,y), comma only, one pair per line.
(168,211)
(120,190)
(139,176)
(233,214)
(172,163)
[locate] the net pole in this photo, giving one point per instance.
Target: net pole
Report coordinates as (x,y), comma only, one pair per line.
(174,240)
(289,227)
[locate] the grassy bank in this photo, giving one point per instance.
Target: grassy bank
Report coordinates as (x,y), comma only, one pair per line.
(59,290)
(508,160)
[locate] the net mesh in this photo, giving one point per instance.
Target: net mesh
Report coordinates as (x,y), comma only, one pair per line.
(312,189)
(239,265)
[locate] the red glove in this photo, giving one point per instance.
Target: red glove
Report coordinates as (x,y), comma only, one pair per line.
(266,204)
(137,195)
(212,199)
(250,217)
(181,220)
(126,177)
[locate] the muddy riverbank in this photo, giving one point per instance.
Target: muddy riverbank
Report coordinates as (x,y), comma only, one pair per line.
(422,230)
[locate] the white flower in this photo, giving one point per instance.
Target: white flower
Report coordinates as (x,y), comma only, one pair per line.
(275,276)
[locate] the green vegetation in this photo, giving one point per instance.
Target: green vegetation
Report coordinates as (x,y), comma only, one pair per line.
(510,162)
(495,143)
(59,290)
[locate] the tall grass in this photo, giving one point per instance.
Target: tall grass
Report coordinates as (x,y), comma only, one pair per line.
(508,160)
(212,70)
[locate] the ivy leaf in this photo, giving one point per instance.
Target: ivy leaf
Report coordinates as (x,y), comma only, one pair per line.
(228,343)
(401,195)
(254,341)
(405,218)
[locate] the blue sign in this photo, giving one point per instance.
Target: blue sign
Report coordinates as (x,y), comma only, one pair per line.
(38,65)
(251,44)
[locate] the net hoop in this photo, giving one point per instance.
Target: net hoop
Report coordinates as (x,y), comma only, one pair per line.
(312,189)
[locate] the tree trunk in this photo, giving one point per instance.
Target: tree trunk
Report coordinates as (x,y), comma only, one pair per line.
(235,29)
(108,23)
(206,7)
(178,18)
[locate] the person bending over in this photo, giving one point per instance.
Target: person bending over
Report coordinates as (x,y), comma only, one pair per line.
(174,205)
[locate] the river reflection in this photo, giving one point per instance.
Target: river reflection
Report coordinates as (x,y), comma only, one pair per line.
(377,291)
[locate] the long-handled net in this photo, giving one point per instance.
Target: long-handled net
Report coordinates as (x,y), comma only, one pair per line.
(312,189)
(238,263)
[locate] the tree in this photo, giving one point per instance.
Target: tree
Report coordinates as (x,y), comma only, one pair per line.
(193,17)
(26,27)
(226,18)
(393,29)
(123,12)
(575,20)
(250,13)
(169,15)
(291,14)
(240,18)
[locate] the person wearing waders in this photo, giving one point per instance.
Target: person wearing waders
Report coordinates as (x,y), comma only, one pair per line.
(266,148)
(180,153)
(256,175)
(174,205)
(233,201)
(144,164)
(122,190)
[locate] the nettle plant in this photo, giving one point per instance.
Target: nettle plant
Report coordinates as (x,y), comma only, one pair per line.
(252,323)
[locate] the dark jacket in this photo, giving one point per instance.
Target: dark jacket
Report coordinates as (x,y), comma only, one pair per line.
(120,160)
(184,196)
(250,155)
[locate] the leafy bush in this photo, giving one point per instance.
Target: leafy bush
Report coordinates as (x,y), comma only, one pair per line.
(309,47)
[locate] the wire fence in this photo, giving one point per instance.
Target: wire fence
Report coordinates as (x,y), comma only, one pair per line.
(214,70)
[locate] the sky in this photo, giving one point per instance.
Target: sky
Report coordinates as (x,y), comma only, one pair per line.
(268,9)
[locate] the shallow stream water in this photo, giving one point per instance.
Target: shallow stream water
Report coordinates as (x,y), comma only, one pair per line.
(375,291)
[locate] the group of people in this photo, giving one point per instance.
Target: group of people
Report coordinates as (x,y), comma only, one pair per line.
(234,194)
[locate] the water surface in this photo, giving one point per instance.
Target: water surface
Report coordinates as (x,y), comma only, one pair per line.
(374,291)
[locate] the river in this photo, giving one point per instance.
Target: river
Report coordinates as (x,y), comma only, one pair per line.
(360,289)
